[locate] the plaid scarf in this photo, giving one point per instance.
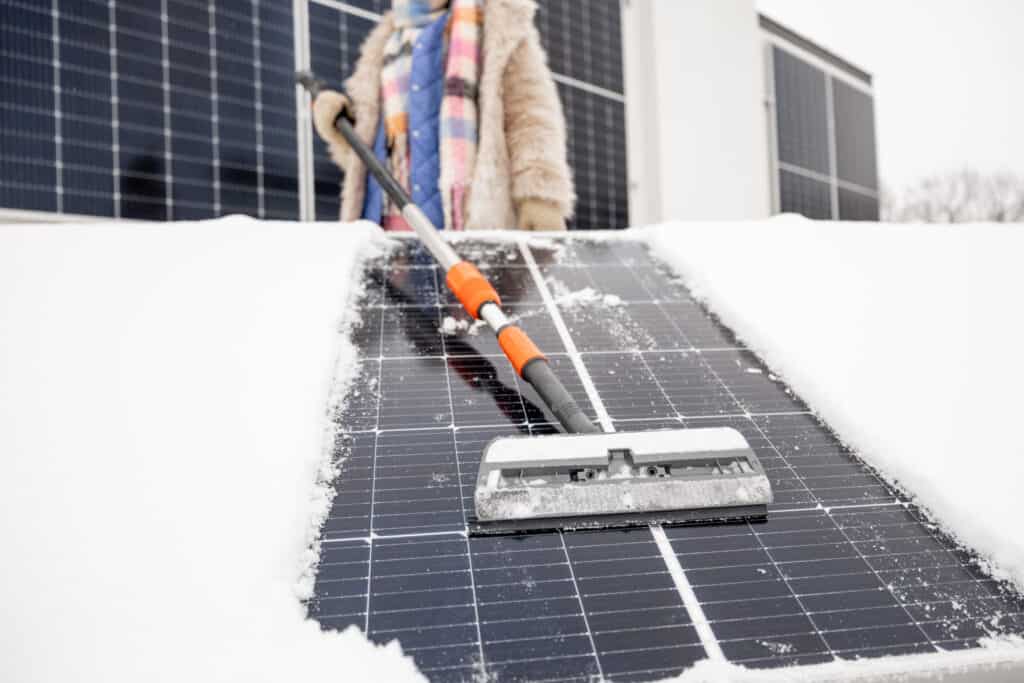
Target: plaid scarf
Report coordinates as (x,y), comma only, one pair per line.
(458,106)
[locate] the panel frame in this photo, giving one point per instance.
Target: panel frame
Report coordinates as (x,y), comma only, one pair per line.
(832,73)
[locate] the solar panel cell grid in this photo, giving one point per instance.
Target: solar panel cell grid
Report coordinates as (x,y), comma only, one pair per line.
(842,568)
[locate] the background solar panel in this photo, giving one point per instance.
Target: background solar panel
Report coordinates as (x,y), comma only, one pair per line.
(857,206)
(843,568)
(855,124)
(154,109)
(802,113)
(808,196)
(28,108)
(185,109)
(825,142)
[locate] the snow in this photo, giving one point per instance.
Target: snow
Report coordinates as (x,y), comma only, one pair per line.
(162,426)
(902,337)
(996,661)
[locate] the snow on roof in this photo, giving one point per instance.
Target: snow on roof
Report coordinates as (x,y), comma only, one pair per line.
(161,426)
(163,414)
(904,338)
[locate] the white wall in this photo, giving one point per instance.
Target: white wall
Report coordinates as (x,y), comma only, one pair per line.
(698,146)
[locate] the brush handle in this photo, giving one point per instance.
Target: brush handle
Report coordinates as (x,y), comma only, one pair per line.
(471,288)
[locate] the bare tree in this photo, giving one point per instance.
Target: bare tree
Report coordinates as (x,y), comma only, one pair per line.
(961,196)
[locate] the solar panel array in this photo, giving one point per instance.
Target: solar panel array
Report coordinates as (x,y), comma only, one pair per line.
(843,568)
(824,141)
(186,109)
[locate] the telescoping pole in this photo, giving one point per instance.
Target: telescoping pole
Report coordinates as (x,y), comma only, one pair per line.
(468,284)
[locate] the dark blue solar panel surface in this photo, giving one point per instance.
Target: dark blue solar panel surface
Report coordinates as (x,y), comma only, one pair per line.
(855,124)
(151,109)
(825,136)
(843,568)
(183,109)
(802,112)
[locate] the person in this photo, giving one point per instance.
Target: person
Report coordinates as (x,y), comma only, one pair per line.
(456,98)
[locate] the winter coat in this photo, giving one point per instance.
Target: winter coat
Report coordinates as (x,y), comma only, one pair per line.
(521,151)
(424,109)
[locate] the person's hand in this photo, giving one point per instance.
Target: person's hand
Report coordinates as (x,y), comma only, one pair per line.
(327,106)
(540,214)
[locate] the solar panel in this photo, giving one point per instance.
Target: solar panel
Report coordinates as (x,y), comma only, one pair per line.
(855,123)
(824,142)
(844,566)
(155,109)
(811,197)
(186,109)
(802,113)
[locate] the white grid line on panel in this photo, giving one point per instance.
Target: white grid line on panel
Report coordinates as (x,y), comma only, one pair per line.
(830,120)
(350,9)
(58,142)
(686,594)
(588,87)
(373,486)
(462,509)
(693,606)
(165,63)
(303,122)
(772,114)
(814,175)
(214,108)
(789,587)
(570,345)
(258,104)
(579,599)
(888,586)
(115,124)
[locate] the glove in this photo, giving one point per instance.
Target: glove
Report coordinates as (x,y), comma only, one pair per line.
(327,106)
(540,214)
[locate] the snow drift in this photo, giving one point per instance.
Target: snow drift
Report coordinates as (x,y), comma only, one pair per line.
(904,338)
(161,426)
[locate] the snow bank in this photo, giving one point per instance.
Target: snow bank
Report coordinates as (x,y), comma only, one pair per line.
(905,338)
(161,427)
(996,661)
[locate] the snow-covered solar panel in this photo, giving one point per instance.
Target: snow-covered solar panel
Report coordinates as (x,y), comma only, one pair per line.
(844,567)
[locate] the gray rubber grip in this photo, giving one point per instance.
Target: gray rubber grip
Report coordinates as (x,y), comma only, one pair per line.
(544,381)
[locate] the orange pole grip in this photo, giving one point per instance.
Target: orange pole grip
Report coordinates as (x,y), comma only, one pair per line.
(518,347)
(470,287)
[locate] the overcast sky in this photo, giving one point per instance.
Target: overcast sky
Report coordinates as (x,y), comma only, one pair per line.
(949,76)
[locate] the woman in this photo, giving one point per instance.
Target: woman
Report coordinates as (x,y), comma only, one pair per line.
(456,97)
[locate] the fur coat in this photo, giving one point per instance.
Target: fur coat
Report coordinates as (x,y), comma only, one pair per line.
(521,152)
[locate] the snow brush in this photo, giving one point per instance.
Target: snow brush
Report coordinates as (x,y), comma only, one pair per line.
(586,478)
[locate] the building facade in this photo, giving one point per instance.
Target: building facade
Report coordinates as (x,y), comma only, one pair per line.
(186,109)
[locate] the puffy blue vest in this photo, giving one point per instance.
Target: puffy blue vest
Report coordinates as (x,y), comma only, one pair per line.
(426,90)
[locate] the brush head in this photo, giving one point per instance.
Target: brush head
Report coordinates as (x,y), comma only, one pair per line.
(586,481)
